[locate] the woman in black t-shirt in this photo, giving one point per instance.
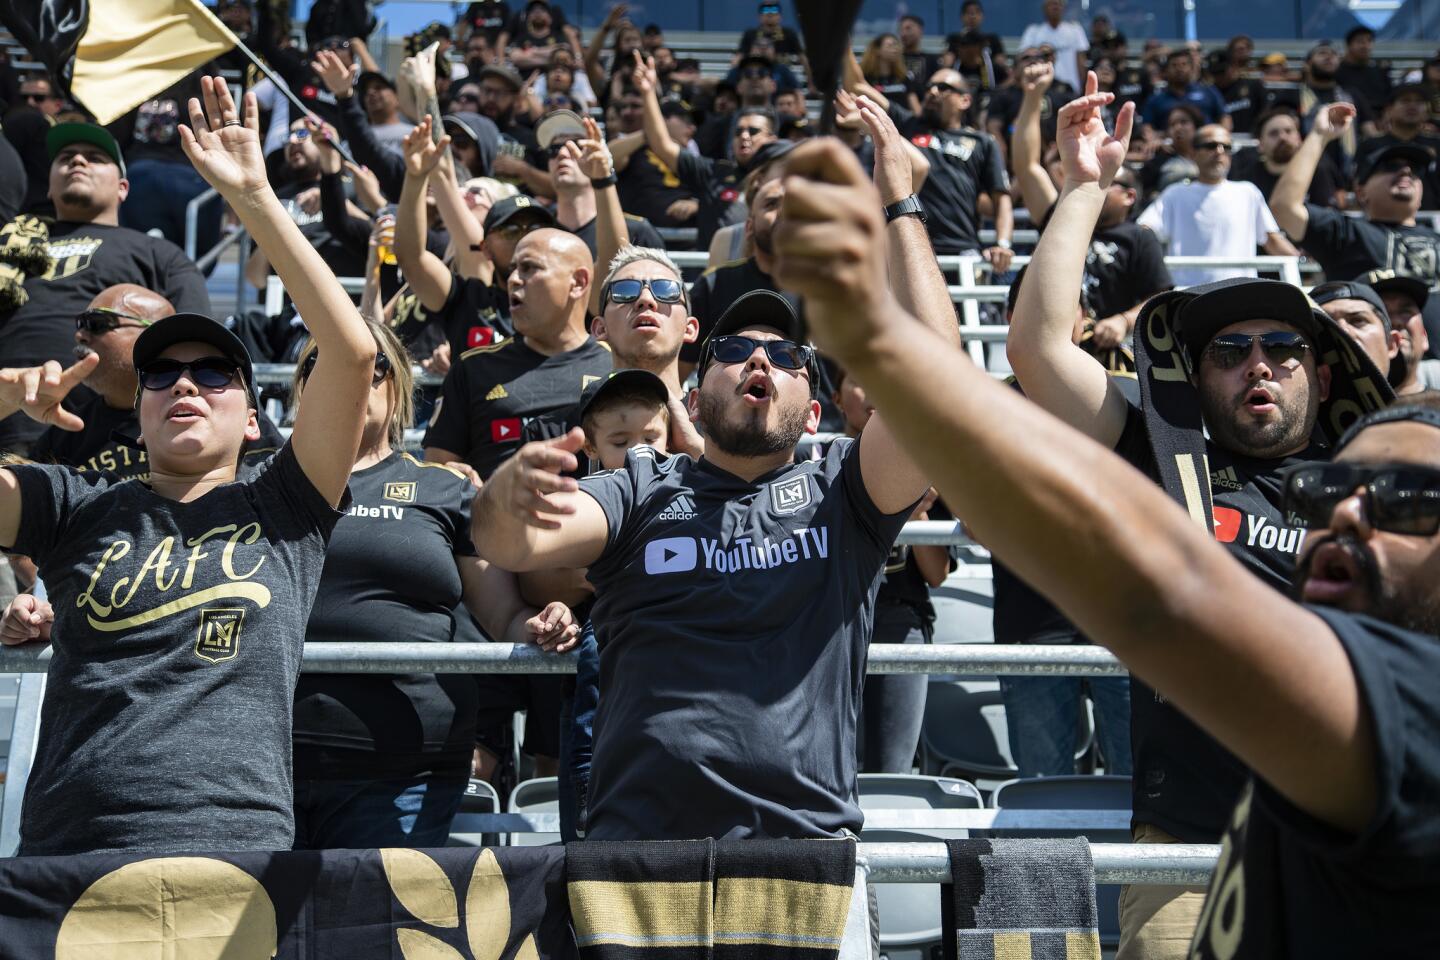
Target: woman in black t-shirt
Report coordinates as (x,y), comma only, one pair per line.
(382,760)
(884,67)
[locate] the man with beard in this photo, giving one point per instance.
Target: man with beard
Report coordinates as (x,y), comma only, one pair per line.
(705,723)
(1407,112)
(1331,850)
(1234,378)
(1182,87)
(1319,88)
(1389,190)
(1277,132)
(519,158)
(107,436)
(90,253)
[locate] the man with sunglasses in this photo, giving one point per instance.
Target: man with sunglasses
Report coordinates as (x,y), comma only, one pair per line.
(1240,379)
(1213,216)
(1332,847)
(39,93)
(1389,185)
(91,253)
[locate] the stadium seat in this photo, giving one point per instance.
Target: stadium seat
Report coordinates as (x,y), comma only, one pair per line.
(541,795)
(480,800)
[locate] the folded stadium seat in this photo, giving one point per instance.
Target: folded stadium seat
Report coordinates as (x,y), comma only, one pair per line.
(480,800)
(910,926)
(541,795)
(1073,793)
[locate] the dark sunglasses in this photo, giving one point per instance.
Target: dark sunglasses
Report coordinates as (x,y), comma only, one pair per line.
(750,131)
(557,148)
(1398,498)
(1279,347)
(467,98)
(783,353)
(663,289)
(102,320)
(382,367)
(1393,165)
(209,372)
(1218,145)
(38,97)
(943,88)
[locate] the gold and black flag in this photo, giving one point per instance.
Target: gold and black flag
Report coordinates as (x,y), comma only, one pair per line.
(507,903)
(112,55)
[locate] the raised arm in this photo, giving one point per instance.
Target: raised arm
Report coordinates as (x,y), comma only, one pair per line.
(426,273)
(611,233)
(1026,146)
(854,82)
(625,146)
(466,234)
(530,516)
(227,154)
(355,126)
(1287,200)
(594,69)
(1072,518)
(1051,368)
(657,135)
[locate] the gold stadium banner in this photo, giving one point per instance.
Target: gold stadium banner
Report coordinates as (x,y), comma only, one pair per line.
(507,903)
(134,49)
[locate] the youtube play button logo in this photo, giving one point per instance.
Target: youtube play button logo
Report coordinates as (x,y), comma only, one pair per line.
(671,555)
(1227,523)
(503,431)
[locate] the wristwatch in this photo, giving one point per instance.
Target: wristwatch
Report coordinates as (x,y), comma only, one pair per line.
(903,208)
(1003,244)
(599,183)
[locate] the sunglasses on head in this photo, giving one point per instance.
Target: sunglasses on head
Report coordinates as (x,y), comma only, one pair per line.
(1398,498)
(1220,145)
(663,289)
(1232,349)
(382,367)
(785,354)
(98,320)
(209,372)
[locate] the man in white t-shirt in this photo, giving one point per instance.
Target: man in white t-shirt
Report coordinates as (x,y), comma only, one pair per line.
(1213,216)
(1066,37)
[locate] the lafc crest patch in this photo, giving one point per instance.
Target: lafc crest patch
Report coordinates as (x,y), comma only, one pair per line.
(401,491)
(790,496)
(219,636)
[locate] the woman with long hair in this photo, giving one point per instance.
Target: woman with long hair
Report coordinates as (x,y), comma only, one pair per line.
(884,68)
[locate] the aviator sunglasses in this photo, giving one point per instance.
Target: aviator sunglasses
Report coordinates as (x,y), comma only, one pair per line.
(209,372)
(1398,498)
(1280,347)
(663,289)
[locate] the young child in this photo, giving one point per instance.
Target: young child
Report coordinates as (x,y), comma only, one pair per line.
(625,410)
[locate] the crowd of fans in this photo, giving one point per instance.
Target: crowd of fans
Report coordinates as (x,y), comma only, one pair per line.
(508,195)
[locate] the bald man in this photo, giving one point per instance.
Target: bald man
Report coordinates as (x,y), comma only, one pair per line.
(492,391)
(108,437)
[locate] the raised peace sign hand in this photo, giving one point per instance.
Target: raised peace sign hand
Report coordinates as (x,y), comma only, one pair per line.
(38,391)
(222,148)
(1087,153)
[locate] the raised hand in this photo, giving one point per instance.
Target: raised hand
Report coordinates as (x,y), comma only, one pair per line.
(614,17)
(1037,77)
(422,154)
(367,186)
(1087,153)
(646,80)
(337,77)
(892,163)
(27,618)
(325,136)
(847,113)
(1333,121)
(522,485)
(553,629)
(591,155)
(225,150)
(38,391)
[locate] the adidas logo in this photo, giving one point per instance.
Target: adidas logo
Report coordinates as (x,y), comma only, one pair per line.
(497,392)
(681,508)
(1227,479)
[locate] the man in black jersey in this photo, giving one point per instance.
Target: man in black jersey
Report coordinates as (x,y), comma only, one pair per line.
(1263,367)
(1332,850)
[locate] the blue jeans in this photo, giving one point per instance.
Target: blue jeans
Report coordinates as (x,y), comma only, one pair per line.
(364,814)
(1042,715)
(159,193)
(892,708)
(577,738)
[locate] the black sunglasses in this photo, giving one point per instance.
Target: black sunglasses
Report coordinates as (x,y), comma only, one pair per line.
(102,320)
(1230,350)
(750,131)
(663,289)
(209,372)
(943,88)
(557,148)
(38,97)
(382,367)
(1398,498)
(783,353)
(1218,145)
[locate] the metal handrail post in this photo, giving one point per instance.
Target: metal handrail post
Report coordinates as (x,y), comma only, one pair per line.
(192,220)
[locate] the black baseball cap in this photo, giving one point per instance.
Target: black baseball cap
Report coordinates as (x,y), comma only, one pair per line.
(1388,281)
(63,135)
(761,308)
(511,207)
(1350,290)
(193,328)
(1218,305)
(1399,90)
(632,379)
(372,76)
(1419,157)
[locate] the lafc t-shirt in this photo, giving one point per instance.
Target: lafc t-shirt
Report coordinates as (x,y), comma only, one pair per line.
(390,574)
(490,393)
(964,163)
(1349,246)
(1184,782)
(475,314)
(177,642)
(718,185)
(734,619)
(1287,885)
(647,188)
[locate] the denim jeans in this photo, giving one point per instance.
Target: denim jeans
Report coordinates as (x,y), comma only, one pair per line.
(892,708)
(1042,715)
(159,194)
(577,738)
(362,814)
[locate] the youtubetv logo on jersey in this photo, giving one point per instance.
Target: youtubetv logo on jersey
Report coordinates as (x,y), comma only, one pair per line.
(682,554)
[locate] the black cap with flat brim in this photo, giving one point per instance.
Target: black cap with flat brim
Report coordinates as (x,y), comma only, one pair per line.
(761,308)
(1351,290)
(1420,158)
(503,211)
(63,135)
(1388,281)
(193,328)
(1213,306)
(629,380)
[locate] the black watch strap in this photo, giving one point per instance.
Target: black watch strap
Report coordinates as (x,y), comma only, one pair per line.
(903,208)
(599,183)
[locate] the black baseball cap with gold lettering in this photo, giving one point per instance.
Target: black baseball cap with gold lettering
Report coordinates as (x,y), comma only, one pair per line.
(519,205)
